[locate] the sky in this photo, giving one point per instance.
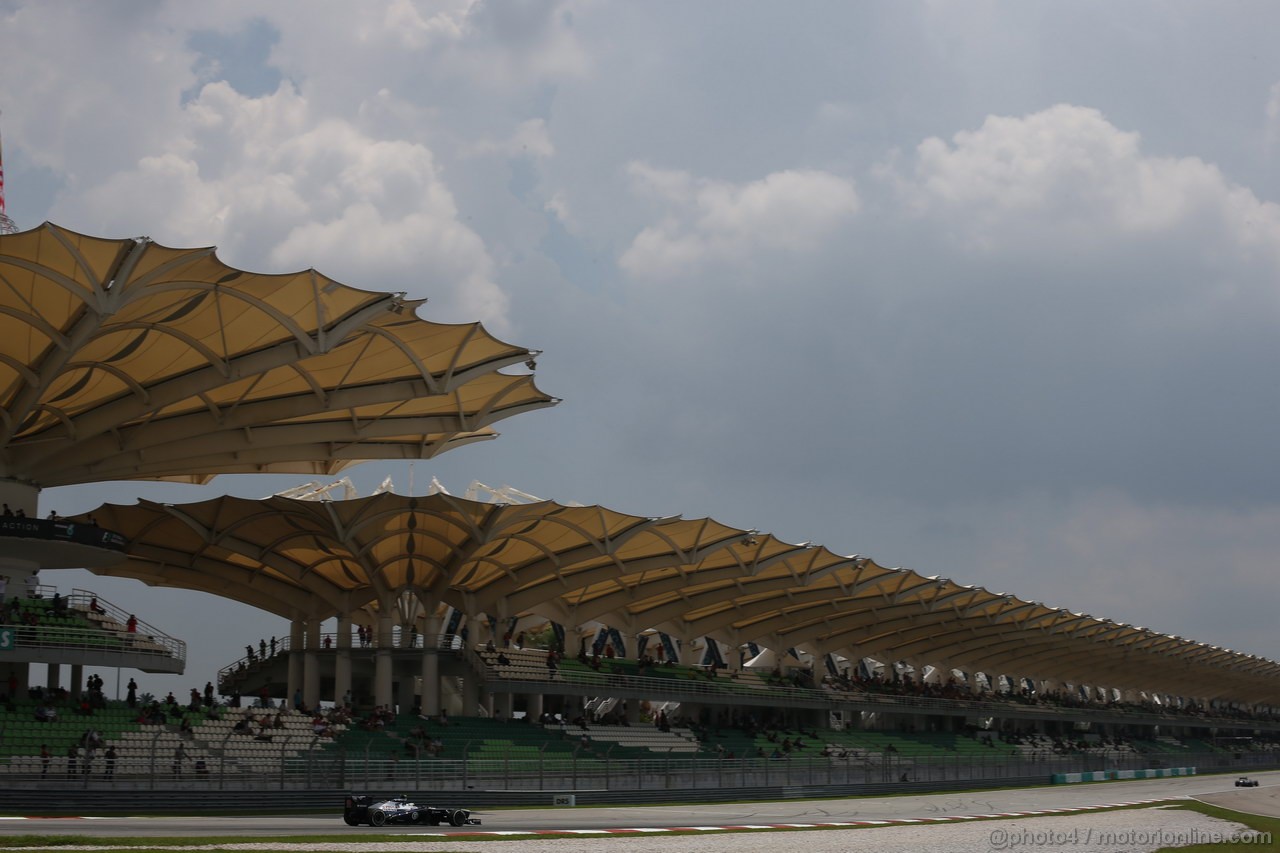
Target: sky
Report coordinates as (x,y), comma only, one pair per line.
(988,290)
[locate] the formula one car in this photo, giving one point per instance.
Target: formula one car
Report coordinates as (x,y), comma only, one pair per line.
(1246,782)
(401,810)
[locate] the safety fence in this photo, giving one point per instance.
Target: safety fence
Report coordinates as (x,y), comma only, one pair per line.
(297,765)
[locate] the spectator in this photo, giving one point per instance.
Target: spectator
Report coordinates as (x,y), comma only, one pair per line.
(132,698)
(73,753)
(94,607)
(179,756)
(132,625)
(46,757)
(110,756)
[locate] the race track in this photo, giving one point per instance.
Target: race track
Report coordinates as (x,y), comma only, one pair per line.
(1218,790)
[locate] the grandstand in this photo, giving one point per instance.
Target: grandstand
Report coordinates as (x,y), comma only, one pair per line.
(437,633)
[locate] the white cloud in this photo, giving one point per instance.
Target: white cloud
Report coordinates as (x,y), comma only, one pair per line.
(1273,114)
(271,183)
(1066,177)
(417,29)
(706,221)
(530,139)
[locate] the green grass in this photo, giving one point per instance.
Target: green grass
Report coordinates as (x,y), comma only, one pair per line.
(1255,822)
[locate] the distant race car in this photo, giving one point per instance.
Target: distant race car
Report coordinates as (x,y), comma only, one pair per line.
(401,810)
(1246,782)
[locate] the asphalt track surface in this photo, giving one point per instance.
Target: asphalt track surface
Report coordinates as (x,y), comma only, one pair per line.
(1218,789)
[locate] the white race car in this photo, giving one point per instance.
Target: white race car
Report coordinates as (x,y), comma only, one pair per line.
(401,810)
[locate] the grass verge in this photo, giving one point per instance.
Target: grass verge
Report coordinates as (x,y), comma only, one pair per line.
(1257,823)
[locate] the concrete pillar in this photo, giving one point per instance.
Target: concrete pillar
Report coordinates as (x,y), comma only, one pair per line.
(311,666)
(470,695)
(382,661)
(297,634)
(506,703)
(533,704)
(431,666)
(77,680)
(342,663)
(55,676)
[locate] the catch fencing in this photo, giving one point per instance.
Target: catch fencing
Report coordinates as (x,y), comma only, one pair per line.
(293,764)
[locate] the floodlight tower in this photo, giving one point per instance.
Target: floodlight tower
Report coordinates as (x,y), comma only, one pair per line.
(6,224)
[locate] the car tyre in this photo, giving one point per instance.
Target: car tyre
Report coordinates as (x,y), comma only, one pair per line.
(458,818)
(377,817)
(414,817)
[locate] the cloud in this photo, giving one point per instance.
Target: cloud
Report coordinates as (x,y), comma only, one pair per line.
(272,184)
(706,221)
(530,140)
(1065,178)
(1272,111)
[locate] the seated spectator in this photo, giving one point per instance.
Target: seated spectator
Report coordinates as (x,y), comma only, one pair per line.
(94,607)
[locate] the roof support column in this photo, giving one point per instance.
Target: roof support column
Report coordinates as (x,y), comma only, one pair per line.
(382,660)
(689,656)
(311,665)
(431,666)
(296,651)
(342,663)
(470,694)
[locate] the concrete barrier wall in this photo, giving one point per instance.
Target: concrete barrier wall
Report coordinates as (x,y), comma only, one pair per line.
(1106,775)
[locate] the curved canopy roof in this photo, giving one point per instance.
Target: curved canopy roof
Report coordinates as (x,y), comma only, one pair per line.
(688,577)
(125,359)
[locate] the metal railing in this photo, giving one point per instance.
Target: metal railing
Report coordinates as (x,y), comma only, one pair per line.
(696,688)
(328,644)
(301,765)
(146,640)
